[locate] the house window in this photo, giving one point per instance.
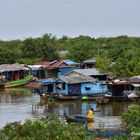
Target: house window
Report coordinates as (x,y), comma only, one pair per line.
(87,88)
(63,86)
(58,86)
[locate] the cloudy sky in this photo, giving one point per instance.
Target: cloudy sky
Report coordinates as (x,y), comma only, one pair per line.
(20,19)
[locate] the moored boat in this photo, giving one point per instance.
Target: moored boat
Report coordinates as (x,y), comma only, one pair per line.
(12,75)
(18,82)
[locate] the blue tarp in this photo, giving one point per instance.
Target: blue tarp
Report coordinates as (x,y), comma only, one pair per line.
(47,81)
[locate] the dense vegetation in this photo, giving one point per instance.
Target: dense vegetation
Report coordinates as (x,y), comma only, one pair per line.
(131,122)
(43,129)
(119,56)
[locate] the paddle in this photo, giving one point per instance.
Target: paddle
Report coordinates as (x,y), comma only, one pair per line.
(97,110)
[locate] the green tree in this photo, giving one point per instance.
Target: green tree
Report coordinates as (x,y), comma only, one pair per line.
(103,63)
(42,129)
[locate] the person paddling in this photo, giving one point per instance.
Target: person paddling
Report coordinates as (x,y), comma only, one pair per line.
(90,114)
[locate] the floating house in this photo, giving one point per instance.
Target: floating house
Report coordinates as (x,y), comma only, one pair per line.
(12,75)
(101,78)
(13,71)
(56,69)
(89,72)
(123,86)
(77,85)
(89,63)
(47,85)
(38,71)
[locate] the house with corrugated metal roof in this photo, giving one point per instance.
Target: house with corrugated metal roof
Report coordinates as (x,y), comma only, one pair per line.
(78,85)
(101,78)
(121,87)
(89,63)
(74,85)
(12,72)
(56,69)
(38,71)
(95,73)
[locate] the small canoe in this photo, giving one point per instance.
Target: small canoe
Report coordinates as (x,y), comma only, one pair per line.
(15,83)
(77,118)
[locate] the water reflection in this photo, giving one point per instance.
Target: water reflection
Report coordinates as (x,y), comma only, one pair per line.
(114,108)
(106,116)
(16,104)
(77,107)
(20,91)
(20,104)
(91,125)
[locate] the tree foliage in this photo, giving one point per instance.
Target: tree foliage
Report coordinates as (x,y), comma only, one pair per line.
(42,129)
(119,55)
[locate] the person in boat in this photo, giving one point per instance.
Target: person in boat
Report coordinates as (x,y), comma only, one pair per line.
(90,114)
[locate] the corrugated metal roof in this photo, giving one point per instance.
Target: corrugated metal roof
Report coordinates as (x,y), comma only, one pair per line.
(54,64)
(59,64)
(136,85)
(35,67)
(88,71)
(47,81)
(70,62)
(91,60)
(11,67)
(46,64)
(136,77)
(77,79)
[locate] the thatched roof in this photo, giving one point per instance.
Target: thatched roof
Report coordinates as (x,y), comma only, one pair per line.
(11,67)
(77,79)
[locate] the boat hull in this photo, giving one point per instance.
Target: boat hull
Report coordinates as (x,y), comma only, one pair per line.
(17,82)
(77,119)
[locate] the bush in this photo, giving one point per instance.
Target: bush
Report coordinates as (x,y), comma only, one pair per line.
(42,129)
(131,118)
(131,122)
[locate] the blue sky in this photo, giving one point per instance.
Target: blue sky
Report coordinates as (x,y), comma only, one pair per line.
(20,19)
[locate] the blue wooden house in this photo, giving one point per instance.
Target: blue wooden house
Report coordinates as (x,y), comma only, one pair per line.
(78,85)
(56,69)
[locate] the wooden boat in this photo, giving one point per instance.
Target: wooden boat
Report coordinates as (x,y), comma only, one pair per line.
(15,83)
(77,118)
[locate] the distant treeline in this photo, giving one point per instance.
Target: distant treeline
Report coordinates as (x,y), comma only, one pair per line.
(119,56)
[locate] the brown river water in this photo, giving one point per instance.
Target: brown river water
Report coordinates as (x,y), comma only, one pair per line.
(19,104)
